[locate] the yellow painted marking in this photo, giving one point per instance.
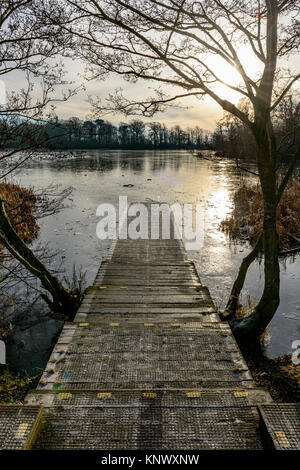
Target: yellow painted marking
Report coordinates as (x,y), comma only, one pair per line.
(104,395)
(21,430)
(114,324)
(149,395)
(123,287)
(147,287)
(102,287)
(175,325)
(64,396)
(241,394)
(83,324)
(282,439)
(193,394)
(148,324)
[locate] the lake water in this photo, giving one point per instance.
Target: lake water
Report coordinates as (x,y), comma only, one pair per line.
(166,176)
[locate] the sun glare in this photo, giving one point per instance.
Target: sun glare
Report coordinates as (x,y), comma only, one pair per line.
(230,76)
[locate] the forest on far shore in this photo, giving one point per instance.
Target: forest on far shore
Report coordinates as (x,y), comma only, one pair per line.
(77,134)
(231,138)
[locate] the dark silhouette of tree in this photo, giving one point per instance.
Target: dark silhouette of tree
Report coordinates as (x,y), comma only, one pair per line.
(137,132)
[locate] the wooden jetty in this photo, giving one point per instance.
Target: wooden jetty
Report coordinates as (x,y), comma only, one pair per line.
(147,364)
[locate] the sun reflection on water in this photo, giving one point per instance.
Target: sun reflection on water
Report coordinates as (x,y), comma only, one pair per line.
(219,206)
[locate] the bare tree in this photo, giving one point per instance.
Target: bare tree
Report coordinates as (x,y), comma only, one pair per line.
(29,45)
(186,45)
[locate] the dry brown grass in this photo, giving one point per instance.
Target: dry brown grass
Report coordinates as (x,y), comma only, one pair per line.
(245,309)
(247,218)
(279,376)
(20,204)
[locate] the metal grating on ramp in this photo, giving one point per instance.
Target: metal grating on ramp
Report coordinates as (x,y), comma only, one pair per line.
(282,422)
(134,353)
(151,427)
(19,426)
(142,398)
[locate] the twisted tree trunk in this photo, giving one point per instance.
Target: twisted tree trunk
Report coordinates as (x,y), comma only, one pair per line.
(230,310)
(253,325)
(63,302)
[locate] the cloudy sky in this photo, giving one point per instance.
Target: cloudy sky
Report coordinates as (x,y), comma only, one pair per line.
(191,112)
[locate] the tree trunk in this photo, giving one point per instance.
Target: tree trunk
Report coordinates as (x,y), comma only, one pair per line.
(231,307)
(63,302)
(232,304)
(254,325)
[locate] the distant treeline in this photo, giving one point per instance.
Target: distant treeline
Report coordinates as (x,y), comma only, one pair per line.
(77,134)
(231,138)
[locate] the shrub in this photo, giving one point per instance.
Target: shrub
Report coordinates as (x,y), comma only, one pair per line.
(19,205)
(246,220)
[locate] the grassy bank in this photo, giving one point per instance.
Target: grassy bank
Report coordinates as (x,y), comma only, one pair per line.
(13,388)
(279,376)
